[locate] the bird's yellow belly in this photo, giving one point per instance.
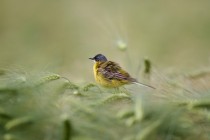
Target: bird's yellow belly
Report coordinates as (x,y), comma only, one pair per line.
(100,79)
(108,83)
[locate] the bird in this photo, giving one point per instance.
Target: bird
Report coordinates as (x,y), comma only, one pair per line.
(110,74)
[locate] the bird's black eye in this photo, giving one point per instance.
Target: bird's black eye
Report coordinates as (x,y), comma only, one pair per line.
(95,58)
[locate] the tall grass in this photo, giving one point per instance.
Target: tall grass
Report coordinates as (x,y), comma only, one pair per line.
(49,107)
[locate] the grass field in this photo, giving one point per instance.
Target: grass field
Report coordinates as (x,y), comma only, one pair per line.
(47,89)
(49,107)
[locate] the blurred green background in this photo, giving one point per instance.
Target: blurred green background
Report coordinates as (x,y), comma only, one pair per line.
(60,35)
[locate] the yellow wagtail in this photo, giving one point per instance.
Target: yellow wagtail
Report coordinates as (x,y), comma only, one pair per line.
(110,74)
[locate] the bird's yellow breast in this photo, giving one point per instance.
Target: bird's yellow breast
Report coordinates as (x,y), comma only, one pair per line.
(102,80)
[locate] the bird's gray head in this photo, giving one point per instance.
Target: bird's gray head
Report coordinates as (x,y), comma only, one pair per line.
(99,58)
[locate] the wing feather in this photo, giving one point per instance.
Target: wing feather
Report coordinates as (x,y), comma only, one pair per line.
(111,70)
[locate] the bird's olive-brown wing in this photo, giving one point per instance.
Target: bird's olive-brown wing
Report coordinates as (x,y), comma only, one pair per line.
(112,71)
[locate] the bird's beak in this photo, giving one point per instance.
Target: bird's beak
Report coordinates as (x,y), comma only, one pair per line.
(91,58)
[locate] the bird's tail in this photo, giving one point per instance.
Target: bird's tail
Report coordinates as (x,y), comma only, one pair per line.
(141,84)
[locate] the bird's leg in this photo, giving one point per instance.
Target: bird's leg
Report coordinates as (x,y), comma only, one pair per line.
(116,90)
